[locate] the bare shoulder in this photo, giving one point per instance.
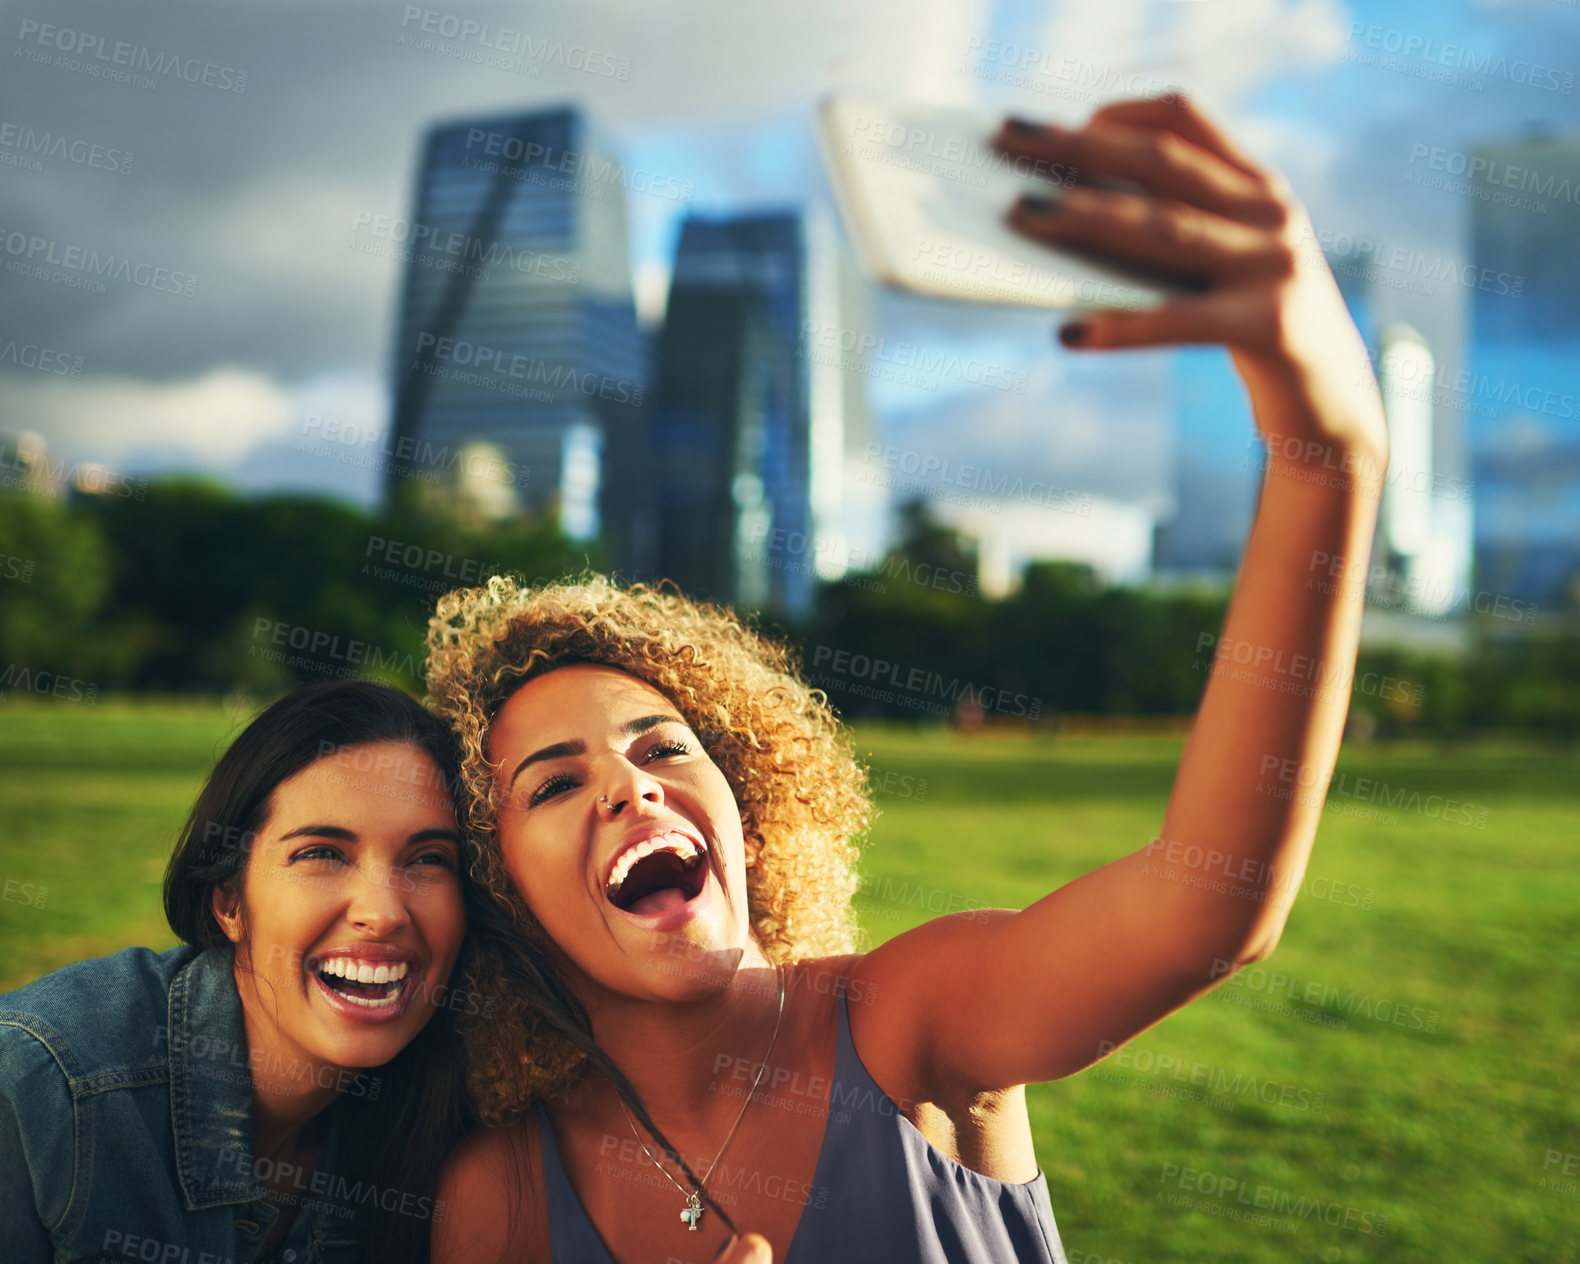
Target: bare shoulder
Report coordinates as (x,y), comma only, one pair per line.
(488,1213)
(891,991)
(893,1000)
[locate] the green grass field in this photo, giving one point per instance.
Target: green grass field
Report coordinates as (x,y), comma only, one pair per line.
(1410,1052)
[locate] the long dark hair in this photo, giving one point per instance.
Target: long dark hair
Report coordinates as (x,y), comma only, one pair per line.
(398,1140)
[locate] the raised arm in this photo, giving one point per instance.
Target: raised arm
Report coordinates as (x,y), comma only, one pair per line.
(986,1001)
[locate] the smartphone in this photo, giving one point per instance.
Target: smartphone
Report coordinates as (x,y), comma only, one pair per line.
(923,194)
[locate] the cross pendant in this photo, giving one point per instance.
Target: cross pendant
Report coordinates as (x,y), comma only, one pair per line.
(692,1215)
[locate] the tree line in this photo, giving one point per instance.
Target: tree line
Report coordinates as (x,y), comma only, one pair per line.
(196,589)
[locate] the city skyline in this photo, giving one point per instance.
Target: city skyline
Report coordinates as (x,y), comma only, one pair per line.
(287,329)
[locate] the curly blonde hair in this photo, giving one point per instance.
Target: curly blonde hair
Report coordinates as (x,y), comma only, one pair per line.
(802,796)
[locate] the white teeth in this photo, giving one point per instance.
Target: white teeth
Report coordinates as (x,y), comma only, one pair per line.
(362,972)
(383,1002)
(679,844)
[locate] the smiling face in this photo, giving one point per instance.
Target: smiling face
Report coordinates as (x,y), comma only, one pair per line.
(350,917)
(621,834)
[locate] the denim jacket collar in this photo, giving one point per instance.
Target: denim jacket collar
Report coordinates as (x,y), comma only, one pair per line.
(211,1102)
(211,1085)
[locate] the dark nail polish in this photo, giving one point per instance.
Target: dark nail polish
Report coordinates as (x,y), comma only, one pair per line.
(1073,335)
(1022,127)
(1035,204)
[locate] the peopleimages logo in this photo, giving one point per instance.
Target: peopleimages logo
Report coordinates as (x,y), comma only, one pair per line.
(417,559)
(1439,59)
(289,1183)
(1485,394)
(502,47)
(317,646)
(855,349)
(1404,267)
(1058,75)
(981,270)
(826,557)
(1312,461)
(390,232)
(29,355)
(1479,169)
(944,155)
(119,61)
(929,467)
(1325,995)
(1226,1086)
(47,684)
(17,568)
(1248,1199)
(26,894)
(1370,789)
(437,354)
(30,145)
(582,169)
(408,456)
(17,470)
(32,255)
(1381,586)
(867,676)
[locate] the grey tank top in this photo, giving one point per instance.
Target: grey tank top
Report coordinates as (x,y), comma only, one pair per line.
(882,1193)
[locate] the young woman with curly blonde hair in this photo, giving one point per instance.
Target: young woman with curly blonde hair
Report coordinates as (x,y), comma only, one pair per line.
(683,1038)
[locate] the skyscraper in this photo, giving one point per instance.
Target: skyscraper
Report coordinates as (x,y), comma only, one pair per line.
(1218,458)
(518,362)
(752,433)
(1217,468)
(1420,555)
(1525,332)
(1419,564)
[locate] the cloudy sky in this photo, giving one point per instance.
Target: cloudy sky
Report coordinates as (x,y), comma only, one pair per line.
(235,195)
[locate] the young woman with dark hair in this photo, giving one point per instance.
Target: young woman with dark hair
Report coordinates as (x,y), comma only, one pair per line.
(283,1085)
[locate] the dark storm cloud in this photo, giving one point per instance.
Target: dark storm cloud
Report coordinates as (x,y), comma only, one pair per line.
(254,191)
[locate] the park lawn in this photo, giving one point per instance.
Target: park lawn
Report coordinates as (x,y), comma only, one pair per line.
(94,797)
(1406,1053)
(1427,1080)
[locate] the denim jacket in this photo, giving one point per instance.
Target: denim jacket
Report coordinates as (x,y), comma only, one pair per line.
(126,1121)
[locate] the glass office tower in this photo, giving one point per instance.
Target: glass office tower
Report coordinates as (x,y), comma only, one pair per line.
(518,363)
(1217,470)
(1525,346)
(753,437)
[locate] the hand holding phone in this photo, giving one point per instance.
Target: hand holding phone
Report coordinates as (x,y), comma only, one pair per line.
(924,193)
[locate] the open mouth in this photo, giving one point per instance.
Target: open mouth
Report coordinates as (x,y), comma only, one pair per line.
(364,984)
(658,875)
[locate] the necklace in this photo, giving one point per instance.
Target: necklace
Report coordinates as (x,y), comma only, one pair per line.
(693,1211)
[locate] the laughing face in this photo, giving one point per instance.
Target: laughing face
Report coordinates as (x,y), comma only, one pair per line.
(350,917)
(621,834)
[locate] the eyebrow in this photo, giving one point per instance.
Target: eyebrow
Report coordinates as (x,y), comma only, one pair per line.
(559,750)
(341,834)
